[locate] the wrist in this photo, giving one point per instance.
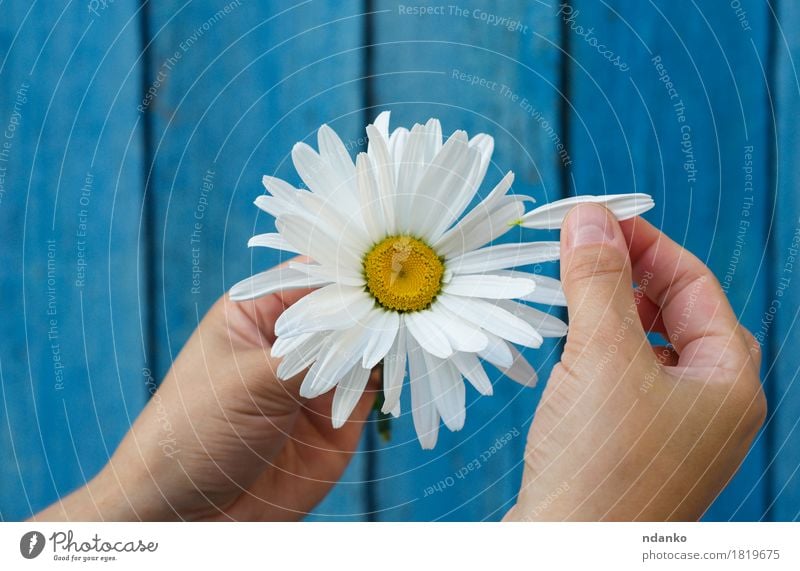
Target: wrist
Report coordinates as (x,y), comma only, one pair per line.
(98,500)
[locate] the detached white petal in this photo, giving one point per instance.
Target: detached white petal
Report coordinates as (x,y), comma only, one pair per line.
(623,206)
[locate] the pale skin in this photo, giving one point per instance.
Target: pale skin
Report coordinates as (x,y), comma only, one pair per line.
(624,431)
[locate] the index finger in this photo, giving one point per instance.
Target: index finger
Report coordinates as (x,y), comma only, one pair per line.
(698,318)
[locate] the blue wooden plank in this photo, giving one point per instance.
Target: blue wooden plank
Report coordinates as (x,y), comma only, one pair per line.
(784,294)
(457,64)
(693,148)
(70,195)
(239,84)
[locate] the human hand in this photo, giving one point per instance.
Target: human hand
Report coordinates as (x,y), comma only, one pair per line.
(223,438)
(626,431)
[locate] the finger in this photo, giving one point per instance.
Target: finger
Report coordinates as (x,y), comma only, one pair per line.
(699,321)
(345,438)
(253,320)
(596,276)
(666,355)
(649,313)
(753,344)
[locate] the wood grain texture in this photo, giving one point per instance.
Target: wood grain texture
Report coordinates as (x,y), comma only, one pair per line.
(242,82)
(688,147)
(72,356)
(454,65)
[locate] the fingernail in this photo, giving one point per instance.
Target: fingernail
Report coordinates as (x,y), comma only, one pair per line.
(588,224)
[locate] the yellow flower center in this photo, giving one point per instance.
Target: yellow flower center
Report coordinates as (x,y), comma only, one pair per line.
(403,273)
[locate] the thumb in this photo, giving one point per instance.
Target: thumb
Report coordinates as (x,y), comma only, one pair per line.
(596,277)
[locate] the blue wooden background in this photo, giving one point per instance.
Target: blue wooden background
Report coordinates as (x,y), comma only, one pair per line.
(113,114)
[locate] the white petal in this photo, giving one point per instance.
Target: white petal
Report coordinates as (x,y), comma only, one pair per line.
(447,390)
(279,188)
(397,145)
(441,187)
(341,351)
(304,351)
(372,208)
(383,325)
(480,231)
(335,186)
(464,185)
(434,129)
(489,286)
(271,240)
(394,371)
(469,366)
(348,392)
(378,153)
(333,307)
(334,152)
(274,206)
(548,290)
(330,216)
(493,319)
(409,171)
(382,124)
(427,334)
(340,275)
(296,362)
(462,335)
(504,256)
(285,345)
(520,371)
(497,352)
(550,216)
(547,325)
(483,209)
(485,145)
(318,244)
(271,281)
(314,171)
(423,409)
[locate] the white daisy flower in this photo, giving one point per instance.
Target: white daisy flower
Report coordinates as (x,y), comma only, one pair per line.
(402,274)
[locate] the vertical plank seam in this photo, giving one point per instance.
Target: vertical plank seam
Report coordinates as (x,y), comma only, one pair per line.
(565,87)
(772,252)
(148,204)
(371,469)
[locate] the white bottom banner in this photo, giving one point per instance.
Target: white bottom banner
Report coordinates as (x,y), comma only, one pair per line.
(400,546)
